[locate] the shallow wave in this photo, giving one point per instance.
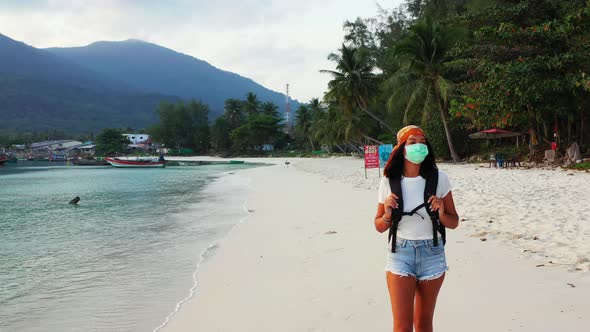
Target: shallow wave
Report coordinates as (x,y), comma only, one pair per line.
(205,254)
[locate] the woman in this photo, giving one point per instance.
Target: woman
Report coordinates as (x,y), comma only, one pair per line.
(416,269)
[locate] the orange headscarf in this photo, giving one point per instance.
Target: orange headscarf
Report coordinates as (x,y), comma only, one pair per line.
(402,136)
(405,133)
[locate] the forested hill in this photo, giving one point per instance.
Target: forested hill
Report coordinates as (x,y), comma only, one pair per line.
(152,68)
(18,59)
(42,91)
(107,84)
(28,105)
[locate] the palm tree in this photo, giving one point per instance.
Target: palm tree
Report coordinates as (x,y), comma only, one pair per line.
(303,123)
(233,112)
(335,128)
(424,54)
(354,84)
(251,104)
(270,108)
(327,127)
(315,104)
(315,107)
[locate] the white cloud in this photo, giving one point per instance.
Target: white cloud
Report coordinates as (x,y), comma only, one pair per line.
(272,42)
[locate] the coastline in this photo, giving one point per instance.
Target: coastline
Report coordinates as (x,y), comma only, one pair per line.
(308,259)
(210,250)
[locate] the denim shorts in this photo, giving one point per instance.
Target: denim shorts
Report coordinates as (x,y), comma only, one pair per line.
(417,258)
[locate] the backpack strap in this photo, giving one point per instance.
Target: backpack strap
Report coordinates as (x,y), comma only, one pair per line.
(395,184)
(430,190)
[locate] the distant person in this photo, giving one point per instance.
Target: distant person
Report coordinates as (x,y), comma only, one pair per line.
(416,263)
(287,163)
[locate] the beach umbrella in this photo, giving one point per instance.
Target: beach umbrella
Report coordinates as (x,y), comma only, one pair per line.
(496,133)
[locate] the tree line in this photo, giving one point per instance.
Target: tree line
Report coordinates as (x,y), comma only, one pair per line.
(456,67)
(246,126)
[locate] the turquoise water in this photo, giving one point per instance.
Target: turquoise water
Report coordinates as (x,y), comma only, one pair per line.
(119,261)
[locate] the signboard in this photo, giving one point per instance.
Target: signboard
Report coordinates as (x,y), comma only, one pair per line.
(384,152)
(371,156)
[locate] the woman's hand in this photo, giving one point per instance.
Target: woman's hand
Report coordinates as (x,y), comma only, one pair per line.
(437,204)
(390,204)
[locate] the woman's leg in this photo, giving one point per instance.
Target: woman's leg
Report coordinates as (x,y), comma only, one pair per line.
(401,292)
(426,294)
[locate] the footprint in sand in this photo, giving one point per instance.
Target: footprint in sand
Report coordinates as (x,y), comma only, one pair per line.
(314,300)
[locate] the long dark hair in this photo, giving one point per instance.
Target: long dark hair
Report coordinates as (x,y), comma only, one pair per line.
(395,164)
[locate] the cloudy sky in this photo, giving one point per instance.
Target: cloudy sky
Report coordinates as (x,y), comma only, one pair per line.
(270,41)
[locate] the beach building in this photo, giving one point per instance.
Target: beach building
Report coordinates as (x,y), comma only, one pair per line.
(142,142)
(52,150)
(137,138)
(19,151)
(86,149)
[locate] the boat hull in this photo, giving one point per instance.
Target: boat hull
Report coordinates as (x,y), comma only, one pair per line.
(90,162)
(135,164)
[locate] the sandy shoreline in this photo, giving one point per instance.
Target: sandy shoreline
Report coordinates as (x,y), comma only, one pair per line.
(308,258)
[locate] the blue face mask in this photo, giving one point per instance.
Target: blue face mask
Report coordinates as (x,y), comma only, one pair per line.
(416,153)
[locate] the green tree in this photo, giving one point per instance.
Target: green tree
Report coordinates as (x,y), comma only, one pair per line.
(425,55)
(220,134)
(258,130)
(334,128)
(233,112)
(170,130)
(317,110)
(111,141)
(315,107)
(353,82)
(270,108)
(439,9)
(241,137)
(251,104)
(265,129)
(527,67)
(199,115)
(183,126)
(303,123)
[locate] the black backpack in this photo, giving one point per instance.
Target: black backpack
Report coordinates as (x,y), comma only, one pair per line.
(395,184)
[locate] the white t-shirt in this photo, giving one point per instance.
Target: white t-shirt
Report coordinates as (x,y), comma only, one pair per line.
(414,227)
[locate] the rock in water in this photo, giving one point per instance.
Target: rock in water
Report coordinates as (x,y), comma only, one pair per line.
(75,200)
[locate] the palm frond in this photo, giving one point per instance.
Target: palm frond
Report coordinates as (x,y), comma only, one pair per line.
(444,88)
(418,92)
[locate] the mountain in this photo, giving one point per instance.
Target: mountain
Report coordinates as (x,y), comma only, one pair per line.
(107,84)
(21,60)
(32,105)
(40,91)
(155,69)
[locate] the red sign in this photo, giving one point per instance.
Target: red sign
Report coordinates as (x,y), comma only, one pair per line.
(371,156)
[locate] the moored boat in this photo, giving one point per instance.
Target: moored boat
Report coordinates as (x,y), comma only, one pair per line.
(90,162)
(128,163)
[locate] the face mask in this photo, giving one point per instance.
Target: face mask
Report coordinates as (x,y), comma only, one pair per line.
(416,153)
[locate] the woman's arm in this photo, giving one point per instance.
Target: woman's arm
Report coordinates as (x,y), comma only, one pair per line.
(380,224)
(446,210)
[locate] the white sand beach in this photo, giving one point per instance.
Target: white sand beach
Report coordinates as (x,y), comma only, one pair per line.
(308,258)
